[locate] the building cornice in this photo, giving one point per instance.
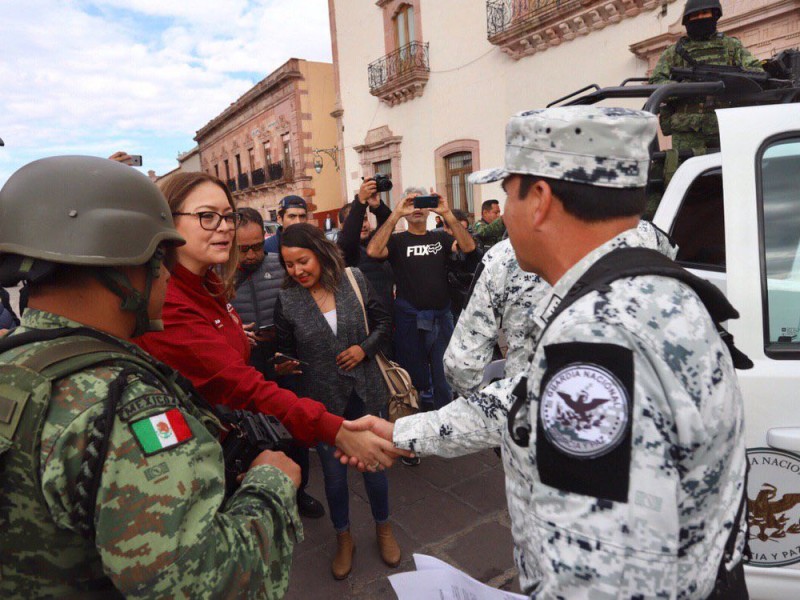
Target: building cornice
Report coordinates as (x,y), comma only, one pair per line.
(276,81)
(526,31)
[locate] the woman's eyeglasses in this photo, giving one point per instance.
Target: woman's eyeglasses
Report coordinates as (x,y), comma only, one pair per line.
(210,220)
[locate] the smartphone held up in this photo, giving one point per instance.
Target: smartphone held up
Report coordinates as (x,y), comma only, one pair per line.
(426,201)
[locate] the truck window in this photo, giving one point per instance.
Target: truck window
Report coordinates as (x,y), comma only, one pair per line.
(780,252)
(699,226)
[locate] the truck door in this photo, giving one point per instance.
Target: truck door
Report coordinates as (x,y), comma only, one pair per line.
(761,180)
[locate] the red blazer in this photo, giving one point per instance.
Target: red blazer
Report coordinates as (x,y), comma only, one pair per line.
(203,339)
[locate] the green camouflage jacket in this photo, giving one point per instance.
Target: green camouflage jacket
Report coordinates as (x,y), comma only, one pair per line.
(162,525)
(489,233)
(692,116)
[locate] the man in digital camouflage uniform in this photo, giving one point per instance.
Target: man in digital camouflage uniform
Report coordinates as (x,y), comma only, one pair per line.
(158,524)
(692,122)
(633,472)
(502,298)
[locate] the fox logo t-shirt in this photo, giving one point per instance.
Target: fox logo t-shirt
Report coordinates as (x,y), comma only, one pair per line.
(419,263)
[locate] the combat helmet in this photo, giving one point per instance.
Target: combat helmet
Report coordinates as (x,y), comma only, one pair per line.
(87,211)
(695,6)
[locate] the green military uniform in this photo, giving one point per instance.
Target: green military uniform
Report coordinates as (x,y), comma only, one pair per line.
(489,233)
(162,526)
(692,122)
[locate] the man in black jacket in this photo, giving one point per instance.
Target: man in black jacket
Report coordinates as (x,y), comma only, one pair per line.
(355,235)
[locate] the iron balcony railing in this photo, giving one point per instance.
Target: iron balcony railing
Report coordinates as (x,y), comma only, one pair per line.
(244,181)
(503,15)
(280,170)
(232,185)
(258,176)
(406,59)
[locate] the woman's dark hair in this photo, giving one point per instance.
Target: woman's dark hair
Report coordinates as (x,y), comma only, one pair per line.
(591,203)
(305,235)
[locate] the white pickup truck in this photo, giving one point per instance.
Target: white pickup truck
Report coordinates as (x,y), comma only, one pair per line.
(736,217)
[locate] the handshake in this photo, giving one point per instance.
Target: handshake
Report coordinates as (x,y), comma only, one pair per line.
(366,444)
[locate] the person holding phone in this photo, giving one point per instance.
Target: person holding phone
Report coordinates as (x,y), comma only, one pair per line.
(203,337)
(320,322)
(419,259)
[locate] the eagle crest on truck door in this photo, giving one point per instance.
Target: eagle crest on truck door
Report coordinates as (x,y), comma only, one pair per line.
(773,504)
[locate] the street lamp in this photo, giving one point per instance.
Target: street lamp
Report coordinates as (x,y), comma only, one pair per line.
(333,153)
(1,142)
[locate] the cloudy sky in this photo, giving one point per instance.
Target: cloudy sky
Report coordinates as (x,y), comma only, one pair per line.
(96,76)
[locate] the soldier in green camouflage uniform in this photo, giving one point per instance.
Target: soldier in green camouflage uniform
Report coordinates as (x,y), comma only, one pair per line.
(692,122)
(158,524)
(490,228)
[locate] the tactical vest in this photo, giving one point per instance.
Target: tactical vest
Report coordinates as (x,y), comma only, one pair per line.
(39,557)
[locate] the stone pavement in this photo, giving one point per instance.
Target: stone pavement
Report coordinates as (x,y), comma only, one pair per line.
(454,509)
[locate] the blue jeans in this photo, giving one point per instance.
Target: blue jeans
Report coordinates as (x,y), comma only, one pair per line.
(420,340)
(337,491)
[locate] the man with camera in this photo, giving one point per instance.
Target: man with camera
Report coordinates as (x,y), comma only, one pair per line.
(357,232)
(258,282)
(113,479)
(423,321)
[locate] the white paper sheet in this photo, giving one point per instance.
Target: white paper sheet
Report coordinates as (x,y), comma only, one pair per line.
(438,580)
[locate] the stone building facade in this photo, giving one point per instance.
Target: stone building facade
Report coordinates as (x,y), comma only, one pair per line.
(425,87)
(263,144)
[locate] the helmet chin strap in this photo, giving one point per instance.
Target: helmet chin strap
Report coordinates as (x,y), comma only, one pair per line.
(132,299)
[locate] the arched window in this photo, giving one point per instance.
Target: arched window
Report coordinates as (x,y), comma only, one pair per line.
(458,166)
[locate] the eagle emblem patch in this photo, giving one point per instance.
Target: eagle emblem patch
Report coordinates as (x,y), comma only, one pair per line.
(584,410)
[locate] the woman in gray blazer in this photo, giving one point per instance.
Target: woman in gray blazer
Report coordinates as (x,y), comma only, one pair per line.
(319,321)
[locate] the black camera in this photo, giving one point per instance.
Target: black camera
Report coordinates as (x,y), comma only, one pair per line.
(383,182)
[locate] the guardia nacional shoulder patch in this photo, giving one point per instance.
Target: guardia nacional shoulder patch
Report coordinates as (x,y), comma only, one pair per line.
(584,410)
(162,431)
(585,418)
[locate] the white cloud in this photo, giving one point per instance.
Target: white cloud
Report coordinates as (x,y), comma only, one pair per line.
(94,77)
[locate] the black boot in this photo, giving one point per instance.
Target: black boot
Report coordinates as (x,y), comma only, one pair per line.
(309,506)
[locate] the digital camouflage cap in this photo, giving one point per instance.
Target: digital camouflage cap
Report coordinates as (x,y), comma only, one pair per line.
(595,145)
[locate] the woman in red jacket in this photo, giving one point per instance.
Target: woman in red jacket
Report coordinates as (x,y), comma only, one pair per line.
(203,337)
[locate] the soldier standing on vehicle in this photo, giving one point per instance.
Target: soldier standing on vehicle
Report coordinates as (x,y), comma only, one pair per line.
(623,442)
(691,122)
(112,476)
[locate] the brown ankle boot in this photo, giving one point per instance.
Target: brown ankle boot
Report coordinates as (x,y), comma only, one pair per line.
(387,544)
(343,561)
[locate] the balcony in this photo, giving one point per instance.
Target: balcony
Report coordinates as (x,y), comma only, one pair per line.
(231,185)
(524,27)
(400,75)
(258,176)
(280,171)
(244,181)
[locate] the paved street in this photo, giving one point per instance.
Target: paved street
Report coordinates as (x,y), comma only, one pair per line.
(452,509)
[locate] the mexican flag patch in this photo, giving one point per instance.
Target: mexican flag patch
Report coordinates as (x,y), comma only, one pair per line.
(162,431)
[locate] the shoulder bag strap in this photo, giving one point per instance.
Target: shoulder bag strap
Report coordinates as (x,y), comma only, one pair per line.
(352,278)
